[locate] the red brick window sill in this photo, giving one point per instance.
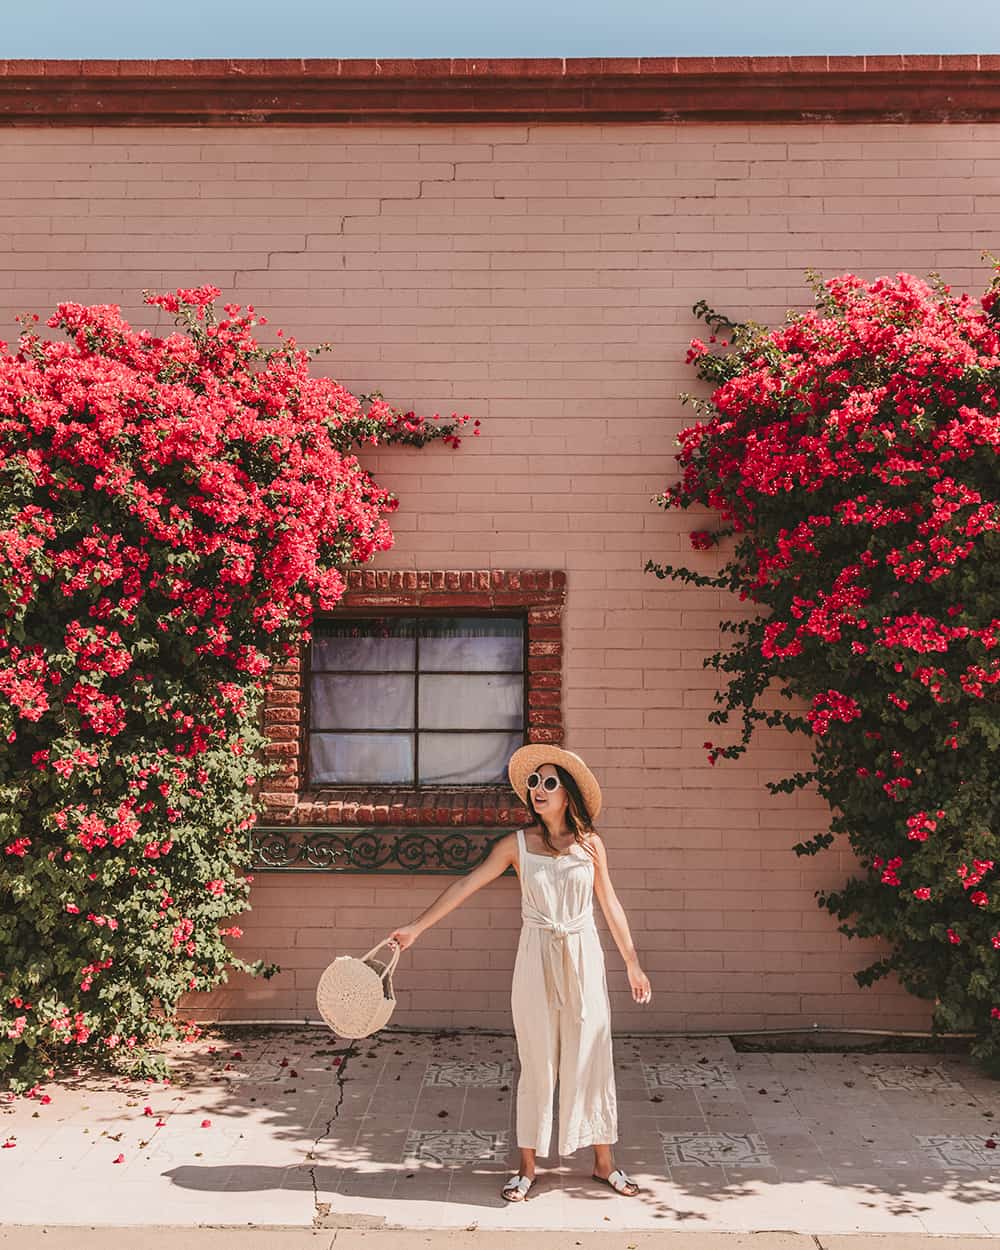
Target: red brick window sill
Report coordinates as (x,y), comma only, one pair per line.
(290,801)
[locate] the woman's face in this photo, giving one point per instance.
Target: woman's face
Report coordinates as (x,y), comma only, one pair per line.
(550,804)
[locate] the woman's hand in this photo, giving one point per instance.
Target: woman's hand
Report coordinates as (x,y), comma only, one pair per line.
(641,990)
(404,936)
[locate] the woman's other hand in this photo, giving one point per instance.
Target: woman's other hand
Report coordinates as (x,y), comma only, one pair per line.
(641,990)
(404,936)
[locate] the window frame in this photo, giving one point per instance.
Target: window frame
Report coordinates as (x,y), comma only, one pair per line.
(379,823)
(381,787)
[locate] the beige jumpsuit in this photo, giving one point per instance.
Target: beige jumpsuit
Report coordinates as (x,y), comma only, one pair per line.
(559,1001)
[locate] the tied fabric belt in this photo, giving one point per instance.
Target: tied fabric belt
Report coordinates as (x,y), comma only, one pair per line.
(560,949)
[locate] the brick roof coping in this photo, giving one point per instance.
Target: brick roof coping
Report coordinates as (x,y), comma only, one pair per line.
(943,88)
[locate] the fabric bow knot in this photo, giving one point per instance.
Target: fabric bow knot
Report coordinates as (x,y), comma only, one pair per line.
(559,951)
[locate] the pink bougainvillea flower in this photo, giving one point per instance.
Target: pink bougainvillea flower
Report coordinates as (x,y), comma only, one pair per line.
(171,504)
(120,1159)
(852,453)
(206,1124)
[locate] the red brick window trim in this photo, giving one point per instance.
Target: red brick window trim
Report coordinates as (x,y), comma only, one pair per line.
(539,593)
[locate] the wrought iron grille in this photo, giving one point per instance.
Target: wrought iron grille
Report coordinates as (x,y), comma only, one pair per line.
(373,848)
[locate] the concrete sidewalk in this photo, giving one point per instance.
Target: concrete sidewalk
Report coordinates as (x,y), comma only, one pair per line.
(293,1129)
(140,1238)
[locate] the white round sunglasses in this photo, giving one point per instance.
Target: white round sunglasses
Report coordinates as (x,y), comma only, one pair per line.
(547,783)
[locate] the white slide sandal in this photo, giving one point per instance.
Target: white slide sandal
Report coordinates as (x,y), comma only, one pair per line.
(619,1182)
(516,1189)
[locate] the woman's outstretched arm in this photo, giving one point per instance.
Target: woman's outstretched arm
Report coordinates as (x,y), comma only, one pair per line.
(500,858)
(614,913)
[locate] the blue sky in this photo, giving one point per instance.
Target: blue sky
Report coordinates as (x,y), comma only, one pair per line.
(423,28)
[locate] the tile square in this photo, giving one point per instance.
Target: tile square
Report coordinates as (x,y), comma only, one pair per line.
(684,1074)
(965,1151)
(485,1074)
(914,1078)
(721,1149)
(454,1147)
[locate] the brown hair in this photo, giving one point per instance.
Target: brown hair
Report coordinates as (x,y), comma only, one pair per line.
(577,816)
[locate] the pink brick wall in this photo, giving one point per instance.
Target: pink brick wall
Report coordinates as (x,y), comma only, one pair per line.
(539,277)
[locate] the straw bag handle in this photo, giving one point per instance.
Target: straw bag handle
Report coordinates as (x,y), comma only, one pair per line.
(393,960)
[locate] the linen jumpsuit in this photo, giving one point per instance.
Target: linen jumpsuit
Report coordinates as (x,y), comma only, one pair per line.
(559,1001)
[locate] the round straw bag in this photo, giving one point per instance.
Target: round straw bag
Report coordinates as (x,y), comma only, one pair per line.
(355,996)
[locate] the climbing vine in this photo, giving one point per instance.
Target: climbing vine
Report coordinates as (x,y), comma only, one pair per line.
(851,459)
(173,510)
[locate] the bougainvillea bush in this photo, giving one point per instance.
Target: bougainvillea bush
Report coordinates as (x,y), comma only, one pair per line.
(172,512)
(851,458)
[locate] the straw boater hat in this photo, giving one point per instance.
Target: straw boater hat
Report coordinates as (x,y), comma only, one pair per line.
(527,759)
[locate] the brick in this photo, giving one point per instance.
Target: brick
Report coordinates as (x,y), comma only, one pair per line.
(281,750)
(539,617)
(281,715)
(459,599)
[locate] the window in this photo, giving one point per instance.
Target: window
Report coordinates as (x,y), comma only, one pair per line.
(415,701)
(393,725)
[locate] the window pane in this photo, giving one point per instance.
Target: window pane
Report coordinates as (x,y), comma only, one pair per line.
(361,646)
(360,759)
(472,644)
(464,759)
(472,702)
(361,702)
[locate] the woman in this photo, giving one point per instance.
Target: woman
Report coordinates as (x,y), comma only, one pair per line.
(559,996)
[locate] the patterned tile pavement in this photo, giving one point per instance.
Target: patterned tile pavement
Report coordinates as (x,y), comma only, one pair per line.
(910,1077)
(454,1147)
(705,1149)
(418,1130)
(491,1073)
(687,1076)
